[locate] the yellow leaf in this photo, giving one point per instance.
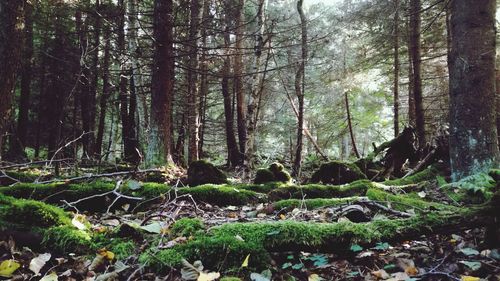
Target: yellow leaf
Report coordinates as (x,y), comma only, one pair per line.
(208,276)
(245,262)
(107,254)
(50,277)
(469,278)
(314,277)
(282,216)
(411,271)
(7,267)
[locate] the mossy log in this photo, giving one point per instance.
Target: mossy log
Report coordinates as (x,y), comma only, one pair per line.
(337,172)
(275,173)
(202,172)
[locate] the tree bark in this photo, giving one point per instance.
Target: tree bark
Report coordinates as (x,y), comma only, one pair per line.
(349,123)
(11,24)
(416,59)
(473,134)
(106,92)
(299,89)
(396,68)
(204,75)
(160,134)
(192,79)
(238,79)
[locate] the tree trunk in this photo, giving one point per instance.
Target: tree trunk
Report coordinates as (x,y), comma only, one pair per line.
(396,68)
(160,134)
(192,79)
(416,59)
(349,123)
(106,92)
(11,23)
(473,135)
(299,89)
(238,78)
(203,75)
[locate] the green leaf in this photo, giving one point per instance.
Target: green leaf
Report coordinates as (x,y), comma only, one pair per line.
(473,265)
(134,185)
(389,266)
(286,265)
(469,252)
(382,246)
(356,248)
(298,266)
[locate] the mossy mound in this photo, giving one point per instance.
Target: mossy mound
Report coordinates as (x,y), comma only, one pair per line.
(357,188)
(221,195)
(67,239)
(19,176)
(186,227)
(337,172)
(275,173)
(33,213)
(312,203)
(430,173)
(203,172)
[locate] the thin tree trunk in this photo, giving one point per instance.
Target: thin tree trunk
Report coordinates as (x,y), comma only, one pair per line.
(160,134)
(299,90)
(415,51)
(349,123)
(11,22)
(238,79)
(106,92)
(192,80)
(473,134)
(396,68)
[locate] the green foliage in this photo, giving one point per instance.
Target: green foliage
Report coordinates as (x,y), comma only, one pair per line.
(186,227)
(337,172)
(262,188)
(64,239)
(221,195)
(264,176)
(230,278)
(495,174)
(202,172)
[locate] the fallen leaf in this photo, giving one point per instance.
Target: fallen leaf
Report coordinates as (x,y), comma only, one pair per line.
(107,254)
(282,217)
(133,185)
(314,277)
(208,276)
(154,227)
(469,252)
(473,265)
(380,274)
(7,267)
(79,221)
(422,194)
(469,278)
(245,262)
(37,263)
(51,277)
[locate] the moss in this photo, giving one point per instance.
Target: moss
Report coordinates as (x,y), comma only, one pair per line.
(230,278)
(14,176)
(406,202)
(357,188)
(149,190)
(221,195)
(186,227)
(337,172)
(261,188)
(203,172)
(64,239)
(122,248)
(312,203)
(33,213)
(495,174)
(275,173)
(428,174)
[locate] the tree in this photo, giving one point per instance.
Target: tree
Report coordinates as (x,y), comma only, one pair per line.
(11,24)
(473,134)
(396,68)
(238,78)
(416,60)
(160,136)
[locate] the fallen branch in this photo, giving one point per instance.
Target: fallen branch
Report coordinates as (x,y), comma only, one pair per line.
(94,176)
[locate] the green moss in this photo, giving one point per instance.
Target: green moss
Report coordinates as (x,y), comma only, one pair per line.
(33,213)
(221,195)
(275,173)
(122,248)
(149,190)
(357,188)
(19,176)
(65,239)
(186,227)
(261,188)
(230,278)
(312,203)
(428,174)
(495,174)
(203,172)
(406,202)
(337,172)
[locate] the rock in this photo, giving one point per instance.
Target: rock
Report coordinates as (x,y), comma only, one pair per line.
(337,172)
(203,172)
(275,172)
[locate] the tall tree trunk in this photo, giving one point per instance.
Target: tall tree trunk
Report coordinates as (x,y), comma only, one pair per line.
(411,98)
(141,122)
(238,78)
(160,137)
(473,135)
(203,74)
(106,92)
(416,59)
(299,89)
(192,79)
(257,83)
(20,137)
(396,68)
(11,24)
(349,123)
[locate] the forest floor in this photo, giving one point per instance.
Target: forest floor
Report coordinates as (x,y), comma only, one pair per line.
(125,228)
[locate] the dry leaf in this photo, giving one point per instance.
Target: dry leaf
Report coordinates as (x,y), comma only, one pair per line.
(208,276)
(50,277)
(37,263)
(469,278)
(380,274)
